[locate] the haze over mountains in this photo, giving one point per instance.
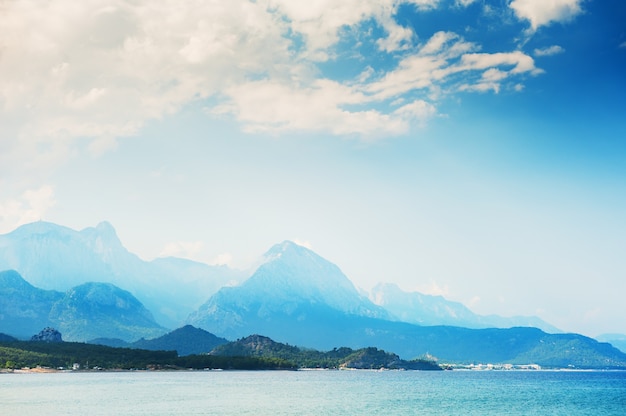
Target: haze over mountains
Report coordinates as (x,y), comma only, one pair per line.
(54,257)
(89,286)
(421,309)
(51,256)
(87,311)
(293,285)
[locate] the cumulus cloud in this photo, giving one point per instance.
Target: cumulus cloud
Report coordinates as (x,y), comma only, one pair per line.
(270,106)
(84,75)
(99,69)
(419,110)
(549,51)
(442,58)
(544,12)
(30,206)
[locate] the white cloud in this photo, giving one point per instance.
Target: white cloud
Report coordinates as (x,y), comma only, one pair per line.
(481,87)
(473,301)
(398,37)
(544,12)
(622,45)
(490,81)
(30,206)
(184,249)
(274,106)
(464,3)
(494,74)
(320,21)
(224,259)
(434,289)
(419,110)
(303,243)
(518,60)
(92,69)
(102,144)
(441,59)
(83,75)
(549,51)
(425,4)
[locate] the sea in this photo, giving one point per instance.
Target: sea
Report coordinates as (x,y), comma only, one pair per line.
(330,392)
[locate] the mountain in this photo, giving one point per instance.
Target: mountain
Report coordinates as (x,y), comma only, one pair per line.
(83,312)
(24,309)
(94,310)
(294,288)
(364,358)
(617,340)
(47,335)
(421,309)
(54,257)
(7,338)
(185,341)
(296,297)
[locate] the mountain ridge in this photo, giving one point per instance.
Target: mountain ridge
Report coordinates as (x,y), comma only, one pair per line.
(418,308)
(82,312)
(281,301)
(186,340)
(24,308)
(292,282)
(55,257)
(294,296)
(365,358)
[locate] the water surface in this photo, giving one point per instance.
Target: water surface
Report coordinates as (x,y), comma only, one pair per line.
(315,393)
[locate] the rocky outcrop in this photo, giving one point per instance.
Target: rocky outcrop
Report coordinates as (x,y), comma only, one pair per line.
(48,335)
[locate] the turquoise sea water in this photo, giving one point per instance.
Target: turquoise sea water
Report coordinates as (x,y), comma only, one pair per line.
(315,393)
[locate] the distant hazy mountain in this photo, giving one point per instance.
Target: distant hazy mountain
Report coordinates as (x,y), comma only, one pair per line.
(186,341)
(7,338)
(292,289)
(421,309)
(94,310)
(84,312)
(297,297)
(56,257)
(617,340)
(24,309)
(294,297)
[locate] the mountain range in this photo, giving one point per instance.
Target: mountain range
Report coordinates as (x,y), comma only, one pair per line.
(295,297)
(292,286)
(617,340)
(89,286)
(83,312)
(418,308)
(364,358)
(54,257)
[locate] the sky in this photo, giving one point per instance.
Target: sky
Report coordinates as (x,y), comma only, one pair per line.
(474,149)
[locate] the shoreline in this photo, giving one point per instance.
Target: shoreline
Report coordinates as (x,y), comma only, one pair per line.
(44,370)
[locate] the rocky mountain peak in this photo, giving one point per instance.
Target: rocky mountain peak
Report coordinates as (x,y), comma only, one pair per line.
(48,335)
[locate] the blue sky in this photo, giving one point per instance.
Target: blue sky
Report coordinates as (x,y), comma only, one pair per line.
(473,149)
